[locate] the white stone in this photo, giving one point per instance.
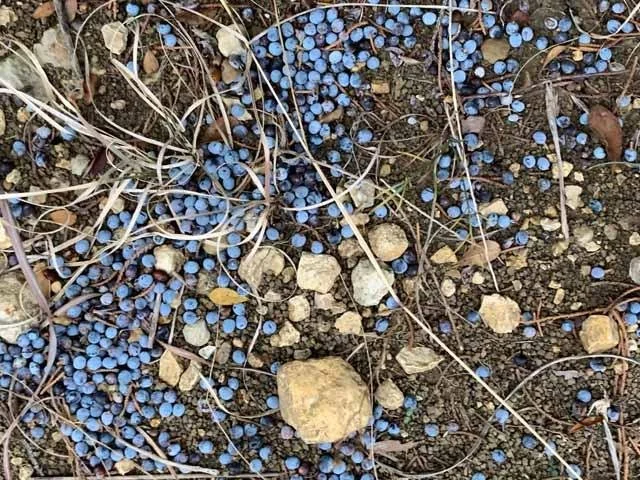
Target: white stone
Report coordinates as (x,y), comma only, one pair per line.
(363,193)
(298,308)
(573,193)
(500,313)
(190,378)
(634,270)
(388,241)
(368,286)
(207,352)
(79,164)
(418,359)
(170,369)
(5,241)
(7,16)
(18,306)
(349,323)
(168,259)
(444,255)
(229,42)
(264,261)
(448,288)
(52,49)
(325,301)
(196,334)
(497,206)
(389,395)
(599,333)
(317,272)
(286,336)
(550,224)
(115,35)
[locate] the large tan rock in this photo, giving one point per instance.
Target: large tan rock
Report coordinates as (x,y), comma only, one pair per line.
(324,400)
(599,333)
(317,272)
(388,241)
(418,359)
(500,313)
(264,261)
(170,369)
(389,395)
(168,259)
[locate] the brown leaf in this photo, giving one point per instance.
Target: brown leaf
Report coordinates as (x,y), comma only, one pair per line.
(150,63)
(475,254)
(63,217)
(333,116)
(48,8)
(495,49)
(43,11)
(606,126)
(226,296)
(474,124)
(90,87)
(99,162)
(197,20)
(40,271)
(215,131)
(553,53)
(584,423)
(391,446)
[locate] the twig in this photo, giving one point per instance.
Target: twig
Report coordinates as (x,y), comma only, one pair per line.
(552,113)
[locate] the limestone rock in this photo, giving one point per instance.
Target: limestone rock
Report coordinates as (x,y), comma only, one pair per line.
(229,42)
(349,247)
(223,352)
(124,466)
(286,336)
(5,241)
(389,395)
(207,351)
(418,359)
(168,259)
(494,49)
(317,272)
(388,241)
(500,313)
(573,193)
(497,206)
(7,16)
(299,308)
(52,50)
(368,287)
(170,369)
(324,400)
(20,75)
(265,260)
(115,35)
(599,333)
(444,255)
(364,193)
(349,323)
(325,301)
(634,270)
(18,307)
(190,377)
(196,334)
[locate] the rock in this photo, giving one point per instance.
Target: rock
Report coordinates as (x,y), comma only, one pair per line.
(418,359)
(79,164)
(325,400)
(170,369)
(500,313)
(317,272)
(368,287)
(207,351)
(229,42)
(3,123)
(196,334)
(388,241)
(389,395)
(124,466)
(115,35)
(349,247)
(286,336)
(349,323)
(190,377)
(363,193)
(5,241)
(266,260)
(584,238)
(223,352)
(380,87)
(634,270)
(448,288)
(497,206)
(573,193)
(52,50)
(207,281)
(599,333)
(229,74)
(7,16)
(20,75)
(567,168)
(444,255)
(358,219)
(255,360)
(634,239)
(18,306)
(550,224)
(325,301)
(168,259)
(299,308)
(494,49)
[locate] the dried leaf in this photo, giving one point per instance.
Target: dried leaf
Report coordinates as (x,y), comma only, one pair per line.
(553,53)
(150,63)
(586,422)
(476,255)
(185,16)
(391,446)
(473,124)
(63,217)
(495,49)
(333,116)
(43,11)
(48,8)
(215,131)
(606,126)
(99,162)
(226,296)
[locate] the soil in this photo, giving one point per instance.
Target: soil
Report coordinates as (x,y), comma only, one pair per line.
(531,276)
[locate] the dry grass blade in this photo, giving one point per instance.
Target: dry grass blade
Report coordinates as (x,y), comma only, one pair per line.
(551,101)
